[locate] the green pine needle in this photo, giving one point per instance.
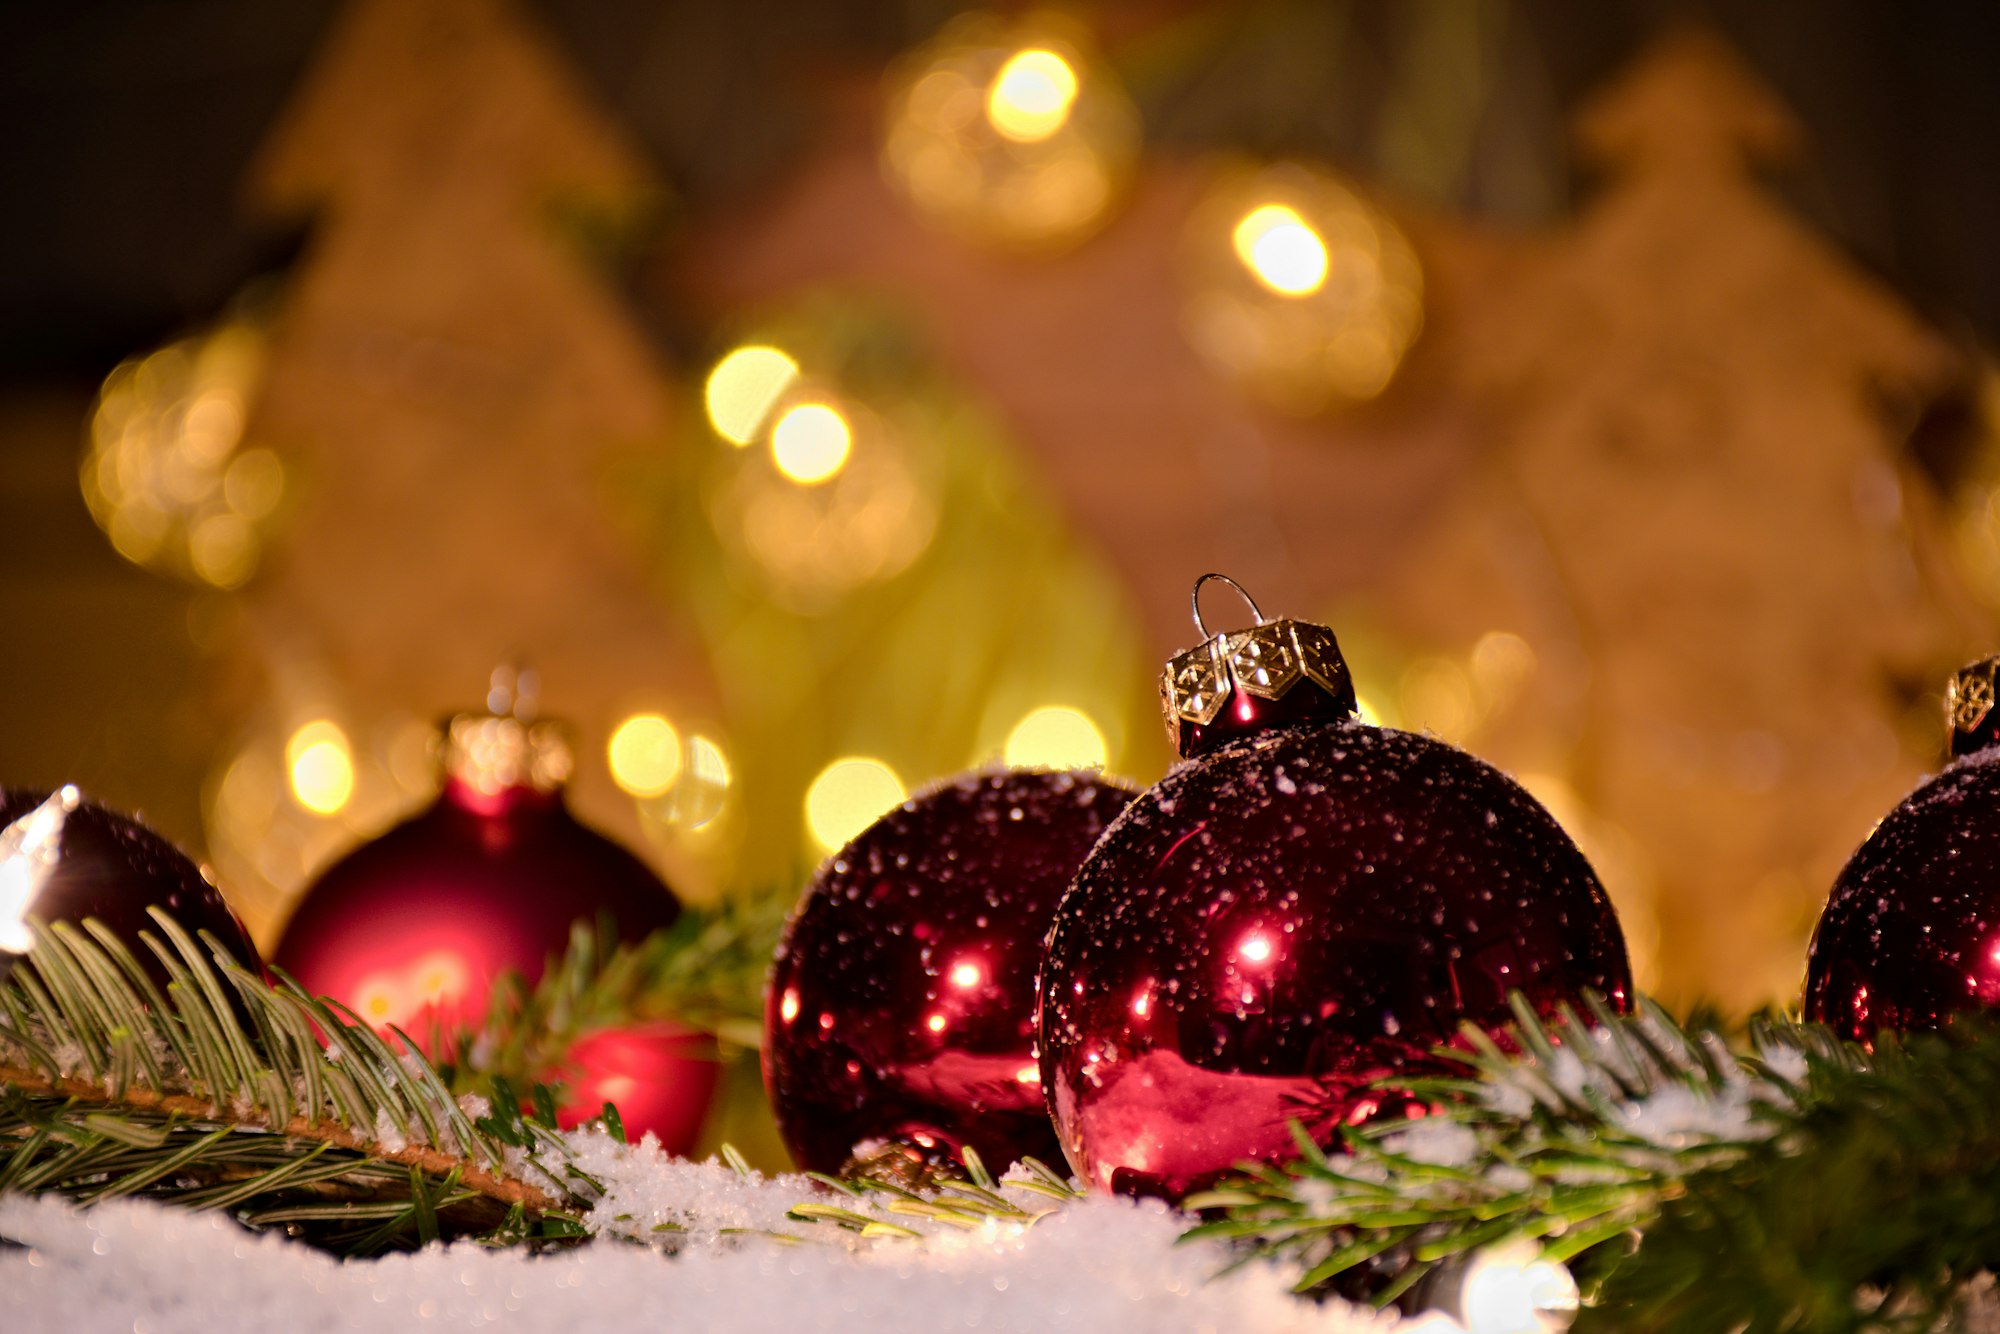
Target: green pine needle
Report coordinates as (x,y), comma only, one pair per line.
(226,1092)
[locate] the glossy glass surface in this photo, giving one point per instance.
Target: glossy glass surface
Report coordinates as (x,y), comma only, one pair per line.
(658,1074)
(113,868)
(1244,715)
(1911,931)
(901,1008)
(411,928)
(1284,921)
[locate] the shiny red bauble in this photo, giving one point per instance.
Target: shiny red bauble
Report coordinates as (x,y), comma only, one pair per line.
(415,925)
(111,867)
(900,1017)
(1306,907)
(412,928)
(1911,932)
(658,1074)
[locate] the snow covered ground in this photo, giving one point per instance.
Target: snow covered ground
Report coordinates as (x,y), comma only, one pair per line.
(1100,1265)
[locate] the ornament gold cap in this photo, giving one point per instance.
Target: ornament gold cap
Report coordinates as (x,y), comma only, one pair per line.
(507,747)
(1273,674)
(1968,706)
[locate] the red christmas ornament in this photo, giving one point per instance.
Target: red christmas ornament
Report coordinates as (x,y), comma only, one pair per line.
(412,928)
(77,859)
(1911,932)
(901,1010)
(1309,905)
(658,1074)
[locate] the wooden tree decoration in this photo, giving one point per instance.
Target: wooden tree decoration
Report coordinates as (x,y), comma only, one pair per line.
(1734,575)
(447,381)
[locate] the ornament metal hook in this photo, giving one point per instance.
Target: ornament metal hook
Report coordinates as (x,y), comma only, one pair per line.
(1194,600)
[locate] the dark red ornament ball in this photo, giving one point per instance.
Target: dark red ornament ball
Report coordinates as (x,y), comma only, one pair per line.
(1285,920)
(113,868)
(901,1010)
(1911,932)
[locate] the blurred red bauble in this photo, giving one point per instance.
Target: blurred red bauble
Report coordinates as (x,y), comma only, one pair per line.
(111,867)
(901,1009)
(412,928)
(1911,932)
(658,1074)
(1307,906)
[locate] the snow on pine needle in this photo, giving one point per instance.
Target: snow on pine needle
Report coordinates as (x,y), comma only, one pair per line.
(1571,1139)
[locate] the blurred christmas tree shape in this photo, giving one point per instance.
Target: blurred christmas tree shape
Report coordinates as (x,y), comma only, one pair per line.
(447,377)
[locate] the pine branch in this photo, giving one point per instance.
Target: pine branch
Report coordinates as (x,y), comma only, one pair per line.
(707,971)
(178,1109)
(1793,1184)
(1570,1141)
(1874,1208)
(973,1201)
(224,1091)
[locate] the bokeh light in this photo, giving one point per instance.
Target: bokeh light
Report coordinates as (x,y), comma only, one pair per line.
(1057,737)
(1502,664)
(1513,1289)
(1297,289)
(703,791)
(743,389)
(320,765)
(849,795)
(837,500)
(1031,97)
(1280,250)
(1009,133)
(1436,697)
(811,442)
(166,474)
(264,841)
(644,754)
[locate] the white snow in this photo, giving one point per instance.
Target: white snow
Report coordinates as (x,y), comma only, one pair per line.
(1436,1140)
(1103,1264)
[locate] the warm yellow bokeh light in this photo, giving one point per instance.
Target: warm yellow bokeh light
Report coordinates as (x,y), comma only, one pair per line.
(1031,97)
(849,795)
(222,548)
(701,791)
(645,755)
(1281,250)
(321,767)
(1436,697)
(253,483)
(744,387)
(1057,737)
(810,443)
(166,476)
(1010,132)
